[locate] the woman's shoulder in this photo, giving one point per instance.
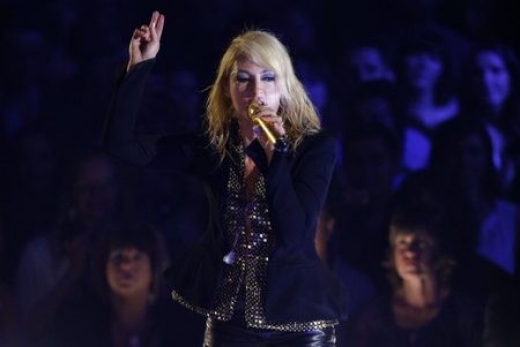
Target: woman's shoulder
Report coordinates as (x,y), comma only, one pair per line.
(322,139)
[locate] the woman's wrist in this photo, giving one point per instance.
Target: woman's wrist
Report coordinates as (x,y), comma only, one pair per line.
(282,144)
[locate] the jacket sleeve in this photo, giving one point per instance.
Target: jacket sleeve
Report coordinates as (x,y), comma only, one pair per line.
(297,187)
(159,151)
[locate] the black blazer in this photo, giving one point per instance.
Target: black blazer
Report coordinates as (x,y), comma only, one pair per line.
(299,288)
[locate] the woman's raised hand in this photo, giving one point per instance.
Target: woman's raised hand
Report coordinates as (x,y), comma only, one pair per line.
(146,41)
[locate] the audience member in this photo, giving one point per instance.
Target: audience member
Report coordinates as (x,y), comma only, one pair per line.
(53,265)
(426,96)
(371,166)
(366,60)
(32,186)
(490,92)
(422,309)
(359,287)
(124,304)
(372,102)
(482,228)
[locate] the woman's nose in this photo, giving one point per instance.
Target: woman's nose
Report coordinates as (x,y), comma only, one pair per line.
(259,91)
(409,252)
(126,264)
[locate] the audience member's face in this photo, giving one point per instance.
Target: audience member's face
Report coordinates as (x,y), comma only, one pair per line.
(366,64)
(129,272)
(422,70)
(492,78)
(251,82)
(95,190)
(412,254)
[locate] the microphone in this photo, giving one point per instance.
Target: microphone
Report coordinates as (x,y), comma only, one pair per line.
(252,111)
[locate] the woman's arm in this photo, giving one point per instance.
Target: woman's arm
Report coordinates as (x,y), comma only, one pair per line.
(120,138)
(297,187)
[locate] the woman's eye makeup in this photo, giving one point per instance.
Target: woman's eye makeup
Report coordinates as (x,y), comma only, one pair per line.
(269,77)
(242,77)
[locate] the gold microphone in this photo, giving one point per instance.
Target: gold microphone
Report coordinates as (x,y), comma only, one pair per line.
(252,111)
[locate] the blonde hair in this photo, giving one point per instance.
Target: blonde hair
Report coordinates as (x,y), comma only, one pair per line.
(264,49)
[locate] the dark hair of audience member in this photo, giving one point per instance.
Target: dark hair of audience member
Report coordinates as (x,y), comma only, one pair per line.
(122,235)
(509,112)
(421,218)
(445,87)
(69,218)
(373,102)
(373,130)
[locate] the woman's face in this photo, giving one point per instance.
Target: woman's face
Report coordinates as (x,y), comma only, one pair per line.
(423,70)
(253,83)
(129,272)
(413,254)
(367,64)
(492,78)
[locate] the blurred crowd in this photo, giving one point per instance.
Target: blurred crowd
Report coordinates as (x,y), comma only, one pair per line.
(422,220)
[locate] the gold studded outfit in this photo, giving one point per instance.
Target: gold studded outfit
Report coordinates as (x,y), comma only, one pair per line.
(256,261)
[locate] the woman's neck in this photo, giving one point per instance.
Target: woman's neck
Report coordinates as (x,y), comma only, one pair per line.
(130,313)
(417,303)
(422,293)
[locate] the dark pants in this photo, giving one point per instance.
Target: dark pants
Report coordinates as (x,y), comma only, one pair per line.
(230,334)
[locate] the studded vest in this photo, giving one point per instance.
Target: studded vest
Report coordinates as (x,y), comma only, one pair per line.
(249,232)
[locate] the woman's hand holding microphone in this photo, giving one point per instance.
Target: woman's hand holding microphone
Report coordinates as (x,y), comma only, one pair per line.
(271,126)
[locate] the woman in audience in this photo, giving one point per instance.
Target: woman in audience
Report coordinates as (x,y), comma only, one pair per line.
(53,265)
(422,309)
(125,301)
(485,227)
(490,92)
(426,97)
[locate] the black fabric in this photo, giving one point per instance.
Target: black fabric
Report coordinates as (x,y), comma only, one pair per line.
(459,323)
(224,334)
